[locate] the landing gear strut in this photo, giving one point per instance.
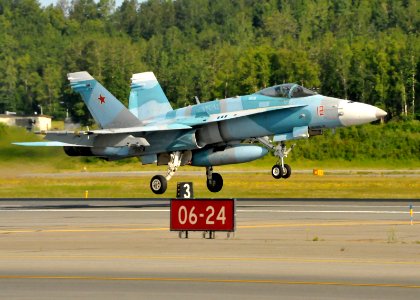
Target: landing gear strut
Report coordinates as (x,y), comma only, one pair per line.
(159,183)
(214,180)
(280,169)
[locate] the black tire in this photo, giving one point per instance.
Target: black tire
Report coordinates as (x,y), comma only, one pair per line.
(277,171)
(215,184)
(158,184)
(287,171)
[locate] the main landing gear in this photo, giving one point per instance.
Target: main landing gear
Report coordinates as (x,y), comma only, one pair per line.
(214,180)
(159,183)
(280,169)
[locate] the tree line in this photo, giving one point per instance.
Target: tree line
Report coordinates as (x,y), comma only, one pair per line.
(363,50)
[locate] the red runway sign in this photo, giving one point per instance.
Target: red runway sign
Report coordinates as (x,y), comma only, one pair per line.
(202,215)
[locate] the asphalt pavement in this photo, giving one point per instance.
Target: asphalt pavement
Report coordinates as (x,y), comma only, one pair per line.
(282,248)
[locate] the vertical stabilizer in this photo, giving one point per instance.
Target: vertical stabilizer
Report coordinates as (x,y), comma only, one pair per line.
(147,99)
(107,111)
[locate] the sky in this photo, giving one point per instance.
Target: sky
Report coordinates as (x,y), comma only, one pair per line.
(48,2)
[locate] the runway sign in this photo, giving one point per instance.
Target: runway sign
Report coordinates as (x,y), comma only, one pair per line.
(202,215)
(184,190)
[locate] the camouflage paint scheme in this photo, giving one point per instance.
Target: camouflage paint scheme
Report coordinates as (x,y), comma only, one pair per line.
(207,134)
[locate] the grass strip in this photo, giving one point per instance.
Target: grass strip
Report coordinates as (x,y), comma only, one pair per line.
(258,185)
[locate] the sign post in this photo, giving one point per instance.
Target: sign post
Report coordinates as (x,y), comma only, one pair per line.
(207,215)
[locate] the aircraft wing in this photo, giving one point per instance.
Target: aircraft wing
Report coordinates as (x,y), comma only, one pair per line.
(122,136)
(116,137)
(195,121)
(187,123)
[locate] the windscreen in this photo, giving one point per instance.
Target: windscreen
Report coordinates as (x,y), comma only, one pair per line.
(287,90)
(299,92)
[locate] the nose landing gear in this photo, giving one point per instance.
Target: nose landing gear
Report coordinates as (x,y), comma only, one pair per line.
(281,172)
(158,184)
(280,169)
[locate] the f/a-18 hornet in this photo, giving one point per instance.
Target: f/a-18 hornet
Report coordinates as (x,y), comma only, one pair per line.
(228,131)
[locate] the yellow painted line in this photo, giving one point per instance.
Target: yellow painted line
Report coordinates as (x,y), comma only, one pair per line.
(289,225)
(209,280)
(198,258)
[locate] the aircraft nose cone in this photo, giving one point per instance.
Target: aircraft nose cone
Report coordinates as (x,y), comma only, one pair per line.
(380,113)
(356,113)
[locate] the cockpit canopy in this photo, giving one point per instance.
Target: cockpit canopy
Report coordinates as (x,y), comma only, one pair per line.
(287,90)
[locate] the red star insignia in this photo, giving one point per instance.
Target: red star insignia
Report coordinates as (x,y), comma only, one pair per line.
(101,99)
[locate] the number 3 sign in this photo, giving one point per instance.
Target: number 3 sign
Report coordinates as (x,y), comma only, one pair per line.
(184,190)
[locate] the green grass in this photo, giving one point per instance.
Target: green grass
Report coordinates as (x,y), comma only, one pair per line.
(257,185)
(17,161)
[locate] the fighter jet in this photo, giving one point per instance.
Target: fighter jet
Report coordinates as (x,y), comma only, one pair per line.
(219,132)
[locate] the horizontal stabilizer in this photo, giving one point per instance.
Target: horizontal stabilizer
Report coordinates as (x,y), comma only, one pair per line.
(148,128)
(48,144)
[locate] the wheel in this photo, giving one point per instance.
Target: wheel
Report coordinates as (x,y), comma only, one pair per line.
(215,184)
(277,172)
(158,184)
(287,171)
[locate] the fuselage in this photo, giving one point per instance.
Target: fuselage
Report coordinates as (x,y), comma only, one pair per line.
(304,111)
(311,110)
(318,111)
(214,133)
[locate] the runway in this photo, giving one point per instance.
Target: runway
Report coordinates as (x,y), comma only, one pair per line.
(108,249)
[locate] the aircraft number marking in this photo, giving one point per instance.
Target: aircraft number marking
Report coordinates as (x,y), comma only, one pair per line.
(320,110)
